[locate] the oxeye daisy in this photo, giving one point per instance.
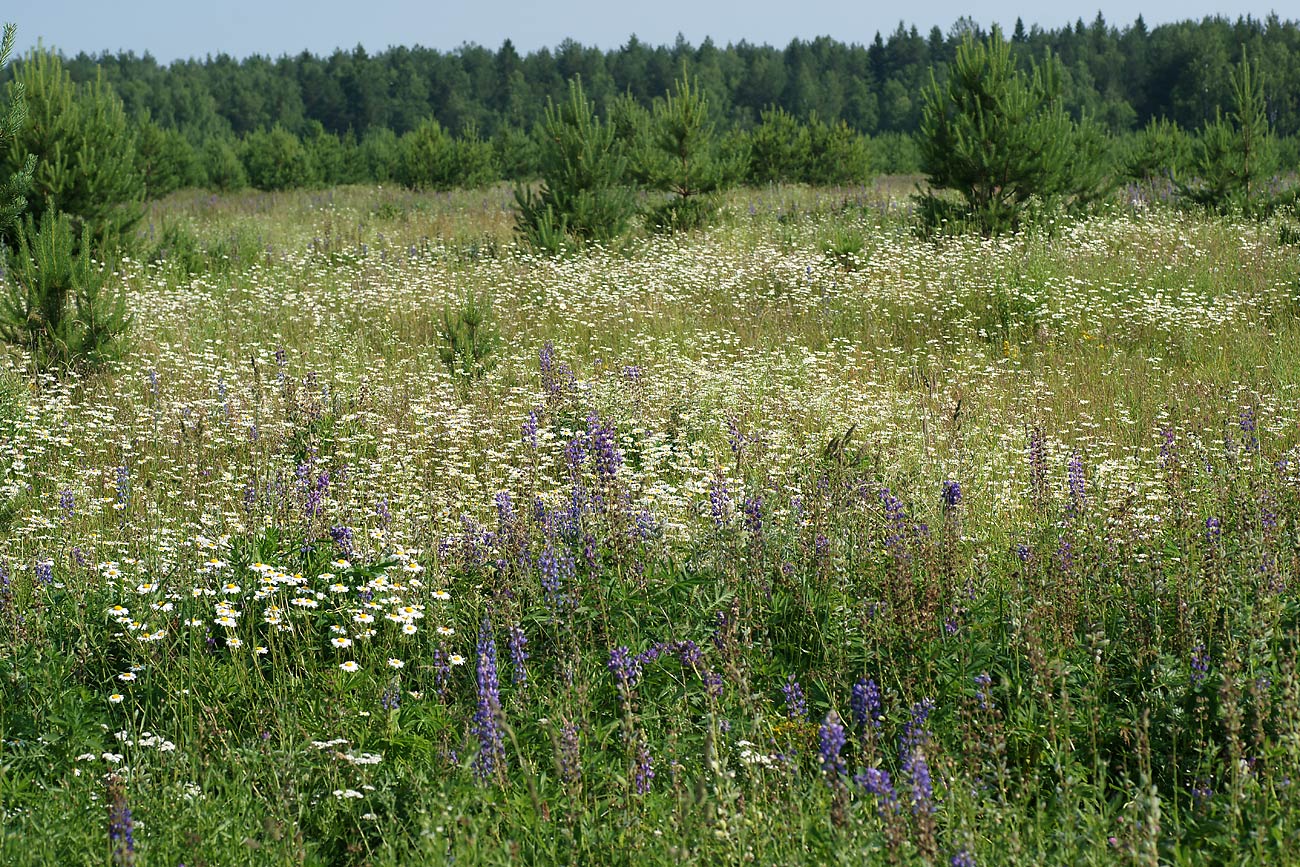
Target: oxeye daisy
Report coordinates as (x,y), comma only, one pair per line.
(116,698)
(126,676)
(409,629)
(456,659)
(446,631)
(341,641)
(234,643)
(395,663)
(349,666)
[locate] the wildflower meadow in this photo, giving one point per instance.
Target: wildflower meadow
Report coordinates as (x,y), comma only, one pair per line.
(797,539)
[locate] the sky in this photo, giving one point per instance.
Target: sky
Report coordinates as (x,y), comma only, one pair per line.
(173,29)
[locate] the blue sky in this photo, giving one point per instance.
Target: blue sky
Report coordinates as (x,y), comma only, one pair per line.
(169,29)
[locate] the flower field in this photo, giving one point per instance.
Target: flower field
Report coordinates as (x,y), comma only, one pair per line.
(795,540)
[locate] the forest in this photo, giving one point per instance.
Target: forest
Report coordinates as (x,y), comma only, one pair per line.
(347,109)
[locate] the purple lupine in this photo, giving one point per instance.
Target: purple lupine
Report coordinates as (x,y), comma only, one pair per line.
(962,858)
(1213,530)
(528,431)
(983,682)
(442,673)
(735,438)
(951,494)
(383,513)
(831,740)
(570,755)
(575,454)
(753,510)
(916,733)
(922,784)
(865,704)
(44,570)
(554,570)
(645,769)
(1200,665)
(876,781)
(123,489)
(1168,444)
(796,707)
(505,514)
(487,715)
(625,667)
(1249,436)
(342,537)
(67,503)
(518,656)
(1076,483)
(605,453)
(121,827)
(895,523)
(392,696)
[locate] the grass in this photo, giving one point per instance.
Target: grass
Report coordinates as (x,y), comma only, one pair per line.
(705,481)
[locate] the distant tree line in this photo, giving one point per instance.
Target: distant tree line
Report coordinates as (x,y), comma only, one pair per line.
(460,117)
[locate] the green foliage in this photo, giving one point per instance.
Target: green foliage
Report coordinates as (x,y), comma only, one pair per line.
(276,160)
(1162,149)
(1236,153)
(1000,136)
(17,180)
(428,158)
(583,195)
(516,153)
(779,148)
(381,155)
(165,160)
(475,159)
(222,166)
(84,149)
(682,157)
(469,338)
(895,153)
(836,154)
(58,306)
(333,160)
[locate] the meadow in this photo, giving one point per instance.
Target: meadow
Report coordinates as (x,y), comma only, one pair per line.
(797,539)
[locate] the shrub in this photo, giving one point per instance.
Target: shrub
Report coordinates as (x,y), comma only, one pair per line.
(1162,149)
(381,154)
(837,154)
(165,160)
(583,195)
(222,166)
(84,149)
(57,306)
(779,148)
(276,160)
(427,158)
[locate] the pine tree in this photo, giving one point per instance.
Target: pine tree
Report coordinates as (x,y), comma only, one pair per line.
(84,149)
(583,196)
(682,158)
(1236,154)
(1000,137)
(14,187)
(58,306)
